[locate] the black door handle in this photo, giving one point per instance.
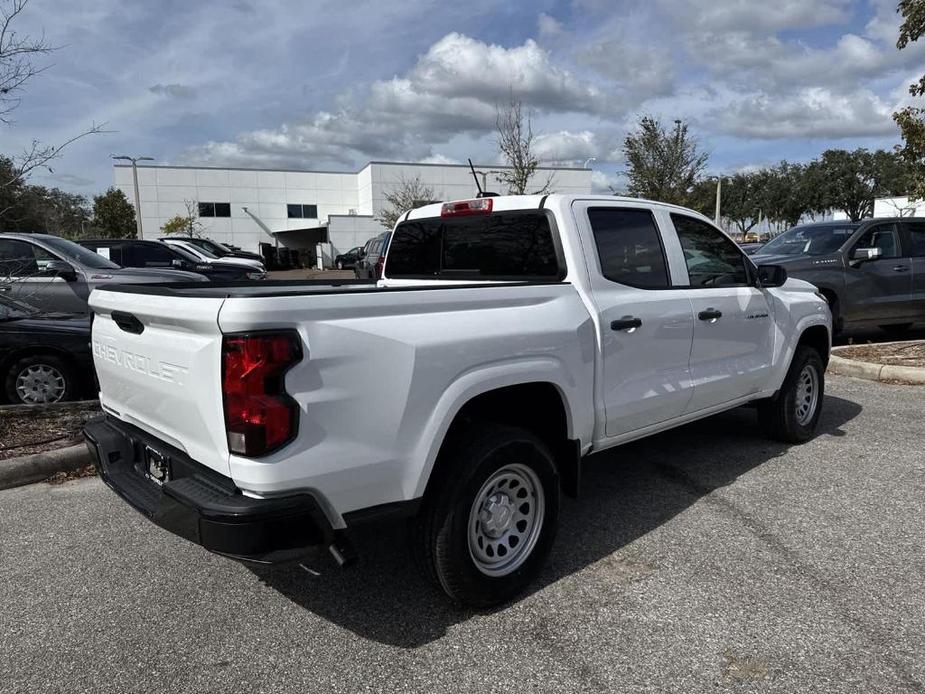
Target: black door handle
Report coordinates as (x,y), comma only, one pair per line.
(128,322)
(626,323)
(900,268)
(710,314)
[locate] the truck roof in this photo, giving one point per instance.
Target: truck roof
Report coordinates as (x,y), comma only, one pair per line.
(534,202)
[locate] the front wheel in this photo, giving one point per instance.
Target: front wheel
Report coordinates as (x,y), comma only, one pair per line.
(486,530)
(793,414)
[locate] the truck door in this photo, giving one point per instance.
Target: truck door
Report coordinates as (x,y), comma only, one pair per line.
(645,326)
(733,327)
(915,237)
(879,289)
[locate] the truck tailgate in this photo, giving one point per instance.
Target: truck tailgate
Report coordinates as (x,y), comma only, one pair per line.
(158,360)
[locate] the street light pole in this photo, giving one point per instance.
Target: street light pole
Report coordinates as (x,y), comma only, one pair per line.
(134,161)
(588,161)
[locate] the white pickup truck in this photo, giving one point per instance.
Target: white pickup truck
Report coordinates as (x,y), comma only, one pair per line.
(509,338)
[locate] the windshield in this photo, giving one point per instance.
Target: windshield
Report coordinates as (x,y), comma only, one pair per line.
(211,246)
(203,251)
(12,308)
(816,239)
(78,254)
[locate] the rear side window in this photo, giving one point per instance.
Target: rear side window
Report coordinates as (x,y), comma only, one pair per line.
(629,247)
(503,245)
(917,238)
(712,259)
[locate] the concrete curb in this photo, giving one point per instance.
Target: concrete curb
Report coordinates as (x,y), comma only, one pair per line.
(874,372)
(27,469)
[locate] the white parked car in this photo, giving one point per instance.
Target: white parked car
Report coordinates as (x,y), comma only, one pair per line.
(510,338)
(206,256)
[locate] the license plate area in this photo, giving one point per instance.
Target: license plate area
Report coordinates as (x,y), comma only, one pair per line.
(156,465)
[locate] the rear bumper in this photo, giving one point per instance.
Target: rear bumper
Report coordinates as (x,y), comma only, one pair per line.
(205,507)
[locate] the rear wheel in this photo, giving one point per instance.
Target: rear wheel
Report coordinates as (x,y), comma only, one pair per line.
(793,414)
(486,530)
(39,379)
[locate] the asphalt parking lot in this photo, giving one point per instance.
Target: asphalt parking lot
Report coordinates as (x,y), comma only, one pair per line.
(707,559)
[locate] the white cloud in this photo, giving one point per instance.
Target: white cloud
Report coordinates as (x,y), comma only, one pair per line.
(565,146)
(548,25)
(811,112)
(455,87)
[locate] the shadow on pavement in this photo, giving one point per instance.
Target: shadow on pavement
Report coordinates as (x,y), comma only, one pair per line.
(626,492)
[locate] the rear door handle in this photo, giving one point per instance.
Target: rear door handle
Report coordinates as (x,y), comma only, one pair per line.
(900,268)
(626,323)
(710,314)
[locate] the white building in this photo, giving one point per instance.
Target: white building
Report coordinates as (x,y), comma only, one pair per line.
(327,211)
(892,207)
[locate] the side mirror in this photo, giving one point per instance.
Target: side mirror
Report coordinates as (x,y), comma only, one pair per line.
(862,254)
(772,275)
(62,269)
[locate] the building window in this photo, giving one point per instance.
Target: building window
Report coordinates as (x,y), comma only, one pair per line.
(302,211)
(215,209)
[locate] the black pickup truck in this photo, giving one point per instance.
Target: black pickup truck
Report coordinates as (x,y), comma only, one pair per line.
(871,272)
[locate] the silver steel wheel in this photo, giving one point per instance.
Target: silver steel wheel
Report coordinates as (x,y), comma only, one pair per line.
(807,394)
(40,383)
(506,519)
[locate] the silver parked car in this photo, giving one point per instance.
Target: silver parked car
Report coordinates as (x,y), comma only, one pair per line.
(54,274)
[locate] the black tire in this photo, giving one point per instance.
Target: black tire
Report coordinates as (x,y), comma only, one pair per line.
(441,533)
(48,361)
(779,415)
(897,330)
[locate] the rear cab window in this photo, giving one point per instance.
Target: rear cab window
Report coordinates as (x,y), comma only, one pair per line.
(515,245)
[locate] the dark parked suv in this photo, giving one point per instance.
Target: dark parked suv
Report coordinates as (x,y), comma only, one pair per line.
(872,272)
(372,257)
(154,254)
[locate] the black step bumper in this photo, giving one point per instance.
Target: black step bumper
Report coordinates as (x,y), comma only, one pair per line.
(203,506)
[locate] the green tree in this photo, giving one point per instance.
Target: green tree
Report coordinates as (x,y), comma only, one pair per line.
(187,224)
(114,215)
(911,120)
(407,195)
(663,164)
(853,179)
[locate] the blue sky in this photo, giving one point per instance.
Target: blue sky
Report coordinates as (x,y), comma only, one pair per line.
(331,85)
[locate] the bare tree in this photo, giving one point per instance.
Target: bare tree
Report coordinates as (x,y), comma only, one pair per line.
(407,195)
(515,142)
(18,54)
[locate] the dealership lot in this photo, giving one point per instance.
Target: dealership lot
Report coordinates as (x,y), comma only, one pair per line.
(706,559)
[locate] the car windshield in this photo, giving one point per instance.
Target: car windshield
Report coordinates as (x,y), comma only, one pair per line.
(816,239)
(211,246)
(78,254)
(11,309)
(207,253)
(183,253)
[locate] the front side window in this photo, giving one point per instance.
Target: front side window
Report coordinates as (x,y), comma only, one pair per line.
(883,237)
(503,245)
(17,259)
(917,238)
(152,256)
(712,259)
(629,247)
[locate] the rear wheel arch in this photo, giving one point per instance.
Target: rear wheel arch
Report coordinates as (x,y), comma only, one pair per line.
(539,407)
(835,306)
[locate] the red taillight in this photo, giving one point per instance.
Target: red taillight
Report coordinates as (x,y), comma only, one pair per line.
(259,415)
(380,266)
(464,208)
